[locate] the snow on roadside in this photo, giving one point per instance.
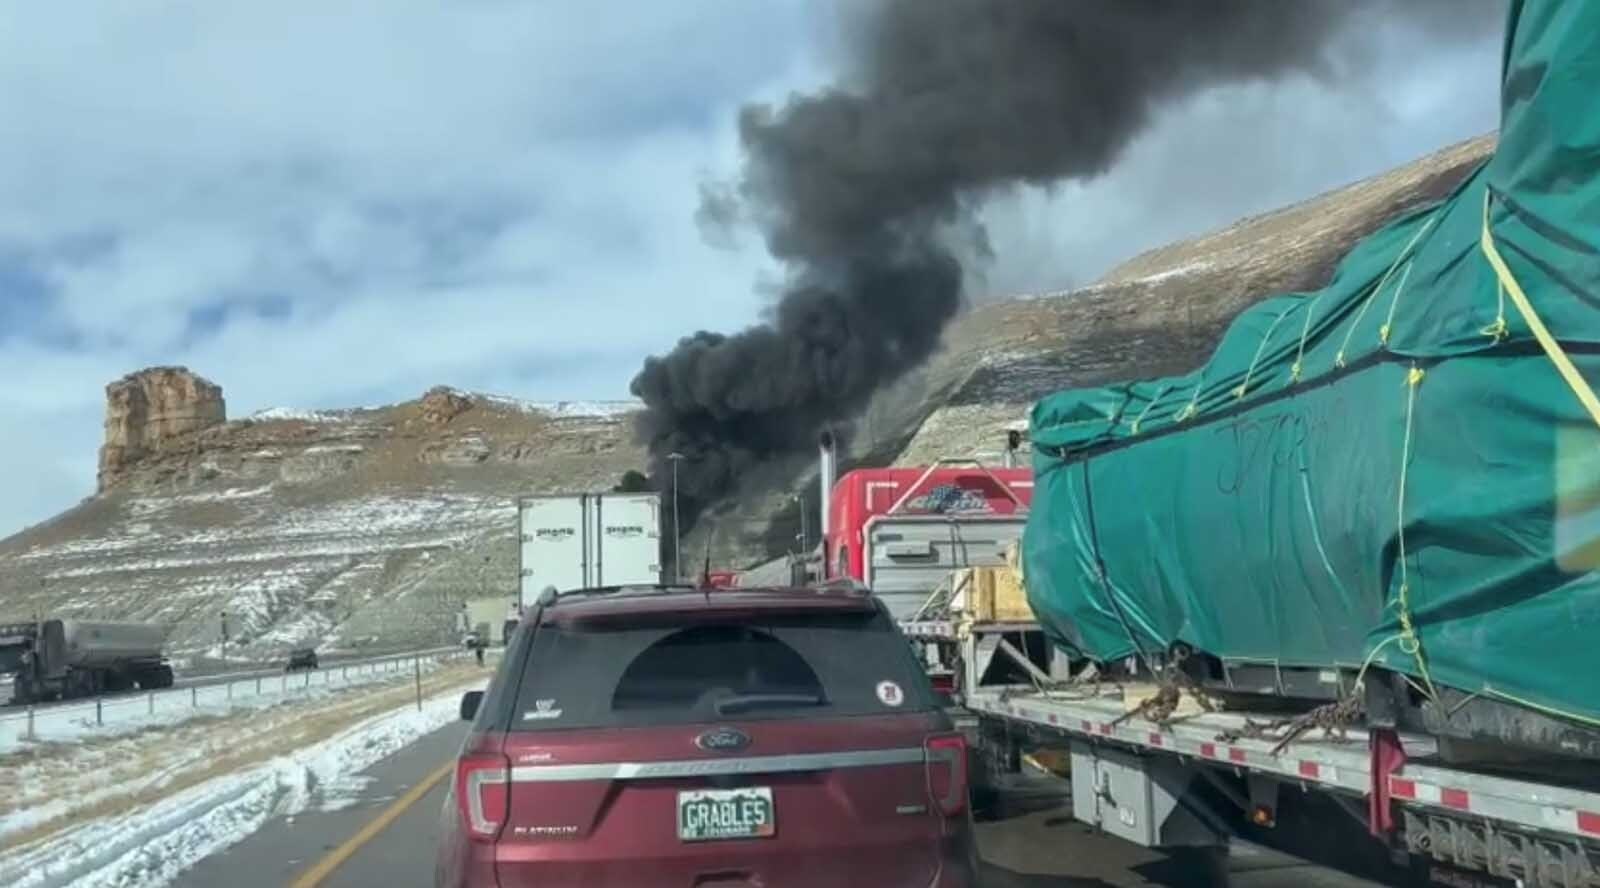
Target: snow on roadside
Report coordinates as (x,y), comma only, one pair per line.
(126,714)
(173,834)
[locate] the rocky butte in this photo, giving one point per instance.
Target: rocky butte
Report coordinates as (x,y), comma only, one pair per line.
(151,410)
(366,528)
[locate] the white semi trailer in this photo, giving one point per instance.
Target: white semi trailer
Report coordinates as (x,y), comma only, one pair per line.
(62,659)
(586,540)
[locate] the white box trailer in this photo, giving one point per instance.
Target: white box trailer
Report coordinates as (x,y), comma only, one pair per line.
(585,540)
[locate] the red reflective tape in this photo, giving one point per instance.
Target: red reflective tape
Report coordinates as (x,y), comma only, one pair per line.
(1310,769)
(1405,789)
(1454,798)
(1155,739)
(1105,729)
(1209,750)
(1088,726)
(1589,823)
(1235,754)
(1053,719)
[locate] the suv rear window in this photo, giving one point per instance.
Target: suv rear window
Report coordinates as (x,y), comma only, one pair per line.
(816,665)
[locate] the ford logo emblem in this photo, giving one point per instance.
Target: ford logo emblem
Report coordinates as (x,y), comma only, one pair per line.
(723,740)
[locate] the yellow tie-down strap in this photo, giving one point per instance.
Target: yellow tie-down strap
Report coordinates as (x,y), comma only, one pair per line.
(1552,348)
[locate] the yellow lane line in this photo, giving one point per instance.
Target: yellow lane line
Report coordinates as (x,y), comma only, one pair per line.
(335,858)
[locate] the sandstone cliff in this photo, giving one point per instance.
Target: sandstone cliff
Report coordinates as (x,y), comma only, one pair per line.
(154,410)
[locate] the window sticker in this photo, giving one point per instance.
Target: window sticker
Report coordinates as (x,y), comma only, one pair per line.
(889,694)
(541,711)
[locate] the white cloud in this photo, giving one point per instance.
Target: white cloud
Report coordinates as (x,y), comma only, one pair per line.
(314,204)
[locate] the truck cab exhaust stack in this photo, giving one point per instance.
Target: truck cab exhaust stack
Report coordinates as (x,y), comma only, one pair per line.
(828,475)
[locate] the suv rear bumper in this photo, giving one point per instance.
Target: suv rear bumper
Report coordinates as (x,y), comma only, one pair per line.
(476,868)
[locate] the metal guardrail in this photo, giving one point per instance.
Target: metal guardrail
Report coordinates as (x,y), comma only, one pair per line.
(68,720)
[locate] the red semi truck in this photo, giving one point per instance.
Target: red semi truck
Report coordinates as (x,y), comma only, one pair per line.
(901,531)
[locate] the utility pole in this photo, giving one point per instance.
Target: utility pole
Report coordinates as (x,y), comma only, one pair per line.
(805,527)
(677,547)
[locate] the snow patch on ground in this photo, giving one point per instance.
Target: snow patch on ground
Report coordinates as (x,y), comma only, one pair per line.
(335,448)
(564,409)
(354,527)
(272,414)
(1188,268)
(172,835)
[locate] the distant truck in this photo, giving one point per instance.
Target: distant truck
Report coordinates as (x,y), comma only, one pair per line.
(63,659)
(901,531)
(478,614)
(586,540)
(304,658)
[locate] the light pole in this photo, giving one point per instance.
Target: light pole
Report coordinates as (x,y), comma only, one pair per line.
(805,530)
(677,550)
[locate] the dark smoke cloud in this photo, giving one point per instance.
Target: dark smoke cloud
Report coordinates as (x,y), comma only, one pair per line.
(859,189)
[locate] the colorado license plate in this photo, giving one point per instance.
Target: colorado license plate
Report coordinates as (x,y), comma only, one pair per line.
(706,814)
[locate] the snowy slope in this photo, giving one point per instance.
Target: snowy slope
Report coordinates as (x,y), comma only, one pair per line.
(360,529)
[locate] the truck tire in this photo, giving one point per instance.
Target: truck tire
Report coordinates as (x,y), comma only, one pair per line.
(155,678)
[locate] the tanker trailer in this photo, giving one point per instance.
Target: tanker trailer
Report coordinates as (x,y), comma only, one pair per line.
(63,659)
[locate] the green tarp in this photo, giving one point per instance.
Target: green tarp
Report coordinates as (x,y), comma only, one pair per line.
(1389,470)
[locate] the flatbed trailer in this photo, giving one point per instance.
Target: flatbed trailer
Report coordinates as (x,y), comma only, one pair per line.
(1196,778)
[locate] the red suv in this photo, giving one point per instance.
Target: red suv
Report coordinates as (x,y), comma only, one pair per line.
(708,738)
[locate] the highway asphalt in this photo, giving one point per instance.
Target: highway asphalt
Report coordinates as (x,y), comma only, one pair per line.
(386,837)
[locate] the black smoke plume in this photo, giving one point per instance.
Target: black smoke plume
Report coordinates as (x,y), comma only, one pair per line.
(859,189)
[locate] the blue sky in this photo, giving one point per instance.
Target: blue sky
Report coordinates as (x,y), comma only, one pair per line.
(322,208)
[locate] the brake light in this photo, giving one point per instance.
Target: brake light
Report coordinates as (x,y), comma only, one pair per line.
(483,793)
(945,756)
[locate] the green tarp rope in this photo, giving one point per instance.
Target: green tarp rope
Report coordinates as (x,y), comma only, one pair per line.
(1394,469)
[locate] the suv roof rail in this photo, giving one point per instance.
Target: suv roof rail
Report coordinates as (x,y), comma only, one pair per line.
(550,595)
(848,584)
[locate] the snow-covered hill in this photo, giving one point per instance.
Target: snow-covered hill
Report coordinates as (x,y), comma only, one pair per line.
(360,529)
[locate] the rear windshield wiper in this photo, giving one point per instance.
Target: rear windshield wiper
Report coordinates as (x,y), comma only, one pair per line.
(742,702)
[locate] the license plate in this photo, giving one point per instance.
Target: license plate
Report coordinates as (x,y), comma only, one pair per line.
(708,814)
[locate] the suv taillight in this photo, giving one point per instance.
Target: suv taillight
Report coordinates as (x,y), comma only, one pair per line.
(946,761)
(483,793)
